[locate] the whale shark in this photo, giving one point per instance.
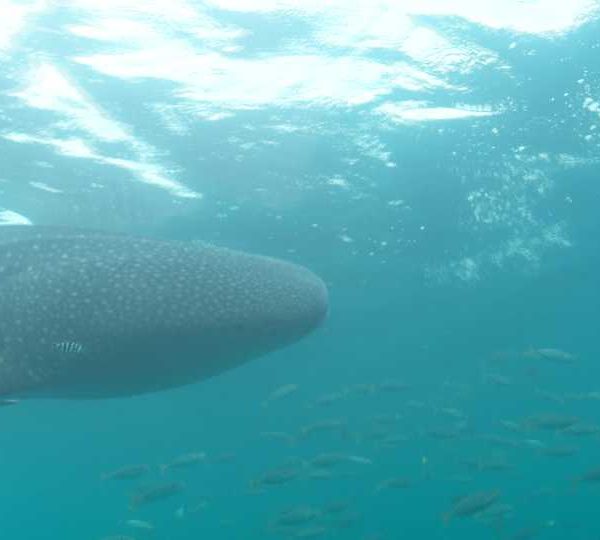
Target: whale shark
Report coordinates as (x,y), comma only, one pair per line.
(87,314)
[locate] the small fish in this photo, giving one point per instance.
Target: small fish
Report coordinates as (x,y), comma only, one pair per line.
(345,521)
(327,400)
(278,436)
(582,430)
(184,461)
(497,379)
(393,441)
(130,472)
(556,355)
(322,474)
(398,482)
(68,347)
(375,434)
(471,504)
(461,479)
(591,396)
(549,396)
(226,457)
(443,433)
(499,441)
(558,451)
(452,412)
(155,493)
(591,477)
(280,393)
(488,464)
(527,533)
(298,515)
(512,426)
(180,512)
(461,389)
(317,531)
(386,419)
(553,355)
(360,459)
(536,444)
(553,422)
(276,477)
(392,386)
(328,460)
(323,426)
(414,404)
(495,513)
(200,505)
(139,524)
(335,507)
(8,402)
(362,389)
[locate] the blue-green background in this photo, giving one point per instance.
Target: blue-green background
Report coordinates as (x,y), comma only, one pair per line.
(428,291)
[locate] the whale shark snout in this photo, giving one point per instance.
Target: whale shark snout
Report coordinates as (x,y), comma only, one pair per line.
(295,304)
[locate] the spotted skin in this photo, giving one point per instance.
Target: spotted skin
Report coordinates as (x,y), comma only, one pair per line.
(86,314)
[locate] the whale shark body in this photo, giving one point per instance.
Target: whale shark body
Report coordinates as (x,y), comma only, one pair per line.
(86,314)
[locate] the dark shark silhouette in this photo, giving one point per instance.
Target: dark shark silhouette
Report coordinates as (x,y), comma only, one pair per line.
(86,314)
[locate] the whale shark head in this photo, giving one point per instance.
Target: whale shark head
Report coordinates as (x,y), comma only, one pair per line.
(91,315)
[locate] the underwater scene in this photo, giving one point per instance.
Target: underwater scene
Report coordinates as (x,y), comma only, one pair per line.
(296,269)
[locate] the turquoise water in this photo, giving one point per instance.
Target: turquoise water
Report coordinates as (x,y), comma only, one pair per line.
(436,163)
